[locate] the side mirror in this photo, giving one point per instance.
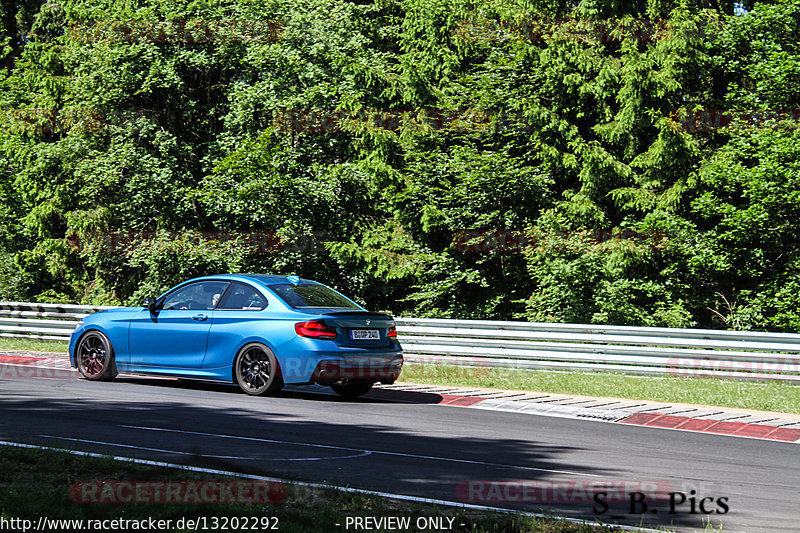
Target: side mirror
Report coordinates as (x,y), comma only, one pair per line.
(149,303)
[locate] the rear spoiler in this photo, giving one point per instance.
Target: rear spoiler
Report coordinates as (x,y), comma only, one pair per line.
(382,316)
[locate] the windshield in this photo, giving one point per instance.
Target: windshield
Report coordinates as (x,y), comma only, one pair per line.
(312,297)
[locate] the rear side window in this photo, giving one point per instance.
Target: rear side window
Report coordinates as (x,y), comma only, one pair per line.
(242,297)
(312,297)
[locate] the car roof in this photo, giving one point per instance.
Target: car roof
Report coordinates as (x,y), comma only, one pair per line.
(262,279)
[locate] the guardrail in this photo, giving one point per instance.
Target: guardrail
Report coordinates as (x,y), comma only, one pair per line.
(531,345)
(53,322)
(528,345)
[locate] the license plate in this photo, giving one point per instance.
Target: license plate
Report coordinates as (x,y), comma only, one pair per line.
(365,334)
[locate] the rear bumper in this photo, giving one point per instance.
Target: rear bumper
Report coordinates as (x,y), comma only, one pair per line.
(384,369)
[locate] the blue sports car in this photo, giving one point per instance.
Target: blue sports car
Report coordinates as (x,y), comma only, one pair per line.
(258,331)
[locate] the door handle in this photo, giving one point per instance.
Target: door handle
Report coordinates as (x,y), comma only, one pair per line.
(199,317)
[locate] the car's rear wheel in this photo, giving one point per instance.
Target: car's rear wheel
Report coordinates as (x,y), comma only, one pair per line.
(95,357)
(353,389)
(256,370)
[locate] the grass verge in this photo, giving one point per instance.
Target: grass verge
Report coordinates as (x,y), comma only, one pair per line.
(765,396)
(35,483)
(32,345)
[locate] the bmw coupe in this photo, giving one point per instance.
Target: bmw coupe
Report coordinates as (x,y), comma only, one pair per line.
(258,331)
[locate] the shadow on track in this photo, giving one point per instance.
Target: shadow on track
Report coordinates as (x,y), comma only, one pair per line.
(370,443)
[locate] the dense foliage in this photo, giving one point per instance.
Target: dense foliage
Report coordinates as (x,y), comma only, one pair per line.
(365,143)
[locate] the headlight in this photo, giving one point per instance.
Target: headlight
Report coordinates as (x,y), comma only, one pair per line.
(79,324)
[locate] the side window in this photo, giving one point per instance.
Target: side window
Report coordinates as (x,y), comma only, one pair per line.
(203,295)
(242,298)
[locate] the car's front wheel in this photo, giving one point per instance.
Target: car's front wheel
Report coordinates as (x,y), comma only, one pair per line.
(95,357)
(256,370)
(353,389)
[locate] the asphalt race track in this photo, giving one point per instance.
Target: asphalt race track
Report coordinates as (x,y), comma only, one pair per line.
(421,449)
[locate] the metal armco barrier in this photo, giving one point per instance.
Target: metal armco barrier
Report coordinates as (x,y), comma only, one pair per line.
(748,355)
(531,345)
(53,322)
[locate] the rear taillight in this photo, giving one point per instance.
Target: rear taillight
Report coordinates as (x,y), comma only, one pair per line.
(392,333)
(315,329)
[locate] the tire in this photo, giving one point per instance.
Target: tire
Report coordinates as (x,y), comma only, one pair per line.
(94,356)
(353,389)
(256,370)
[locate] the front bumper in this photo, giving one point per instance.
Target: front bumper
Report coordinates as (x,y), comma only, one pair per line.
(73,343)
